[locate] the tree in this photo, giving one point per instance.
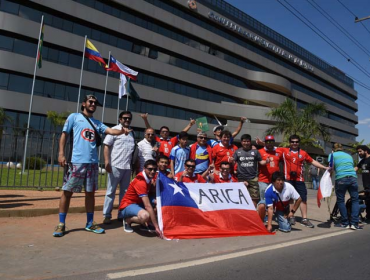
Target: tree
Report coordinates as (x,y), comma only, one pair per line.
(3,119)
(303,122)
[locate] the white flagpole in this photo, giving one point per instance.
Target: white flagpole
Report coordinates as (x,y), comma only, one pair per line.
(82,68)
(127,95)
(105,94)
(118,108)
(30,108)
(105,90)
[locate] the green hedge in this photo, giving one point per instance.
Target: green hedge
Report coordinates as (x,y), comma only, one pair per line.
(35,163)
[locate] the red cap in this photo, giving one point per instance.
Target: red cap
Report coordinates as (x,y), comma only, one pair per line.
(269,138)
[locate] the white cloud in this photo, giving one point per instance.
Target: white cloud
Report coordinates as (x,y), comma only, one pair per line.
(364,121)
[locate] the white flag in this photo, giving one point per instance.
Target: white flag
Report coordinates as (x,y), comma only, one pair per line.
(122,86)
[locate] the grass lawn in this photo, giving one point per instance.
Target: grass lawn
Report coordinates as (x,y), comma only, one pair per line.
(46,178)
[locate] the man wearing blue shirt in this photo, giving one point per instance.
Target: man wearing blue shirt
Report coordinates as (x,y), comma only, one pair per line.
(345,179)
(83,168)
(179,154)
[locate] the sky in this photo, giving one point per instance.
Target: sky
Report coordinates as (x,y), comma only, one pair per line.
(277,17)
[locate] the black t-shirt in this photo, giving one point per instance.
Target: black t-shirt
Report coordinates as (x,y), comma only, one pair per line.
(364,165)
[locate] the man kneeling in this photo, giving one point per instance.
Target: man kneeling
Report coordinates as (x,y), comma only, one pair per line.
(135,206)
(278,195)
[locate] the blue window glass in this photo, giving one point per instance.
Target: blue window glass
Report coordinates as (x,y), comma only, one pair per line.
(6,43)
(4,78)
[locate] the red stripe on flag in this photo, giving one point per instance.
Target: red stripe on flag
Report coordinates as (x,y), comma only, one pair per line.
(319,197)
(188,223)
(114,67)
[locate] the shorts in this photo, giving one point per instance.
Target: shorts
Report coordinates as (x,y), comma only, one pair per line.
(253,188)
(80,174)
(132,210)
(301,189)
(262,187)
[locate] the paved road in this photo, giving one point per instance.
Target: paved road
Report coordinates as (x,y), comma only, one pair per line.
(344,256)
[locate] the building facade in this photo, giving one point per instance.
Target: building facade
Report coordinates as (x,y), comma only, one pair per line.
(195,58)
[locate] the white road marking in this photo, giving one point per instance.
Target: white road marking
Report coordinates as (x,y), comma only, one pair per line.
(168,267)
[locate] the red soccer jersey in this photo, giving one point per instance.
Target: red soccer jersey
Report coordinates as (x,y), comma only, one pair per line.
(219,179)
(221,153)
(197,178)
(293,162)
(265,171)
(138,188)
(166,145)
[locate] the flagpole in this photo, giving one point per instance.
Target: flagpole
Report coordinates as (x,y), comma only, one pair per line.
(119,99)
(105,94)
(30,108)
(82,67)
(127,97)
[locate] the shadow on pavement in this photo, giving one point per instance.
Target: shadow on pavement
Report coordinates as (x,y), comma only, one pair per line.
(13,205)
(11,195)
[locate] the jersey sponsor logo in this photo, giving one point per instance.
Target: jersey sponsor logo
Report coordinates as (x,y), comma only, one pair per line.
(252,153)
(88,134)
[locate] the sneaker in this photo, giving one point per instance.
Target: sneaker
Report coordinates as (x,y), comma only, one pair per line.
(93,227)
(292,221)
(59,230)
(356,227)
(307,223)
(127,227)
(341,225)
(107,221)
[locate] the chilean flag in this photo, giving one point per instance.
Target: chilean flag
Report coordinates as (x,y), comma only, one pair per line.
(116,66)
(195,210)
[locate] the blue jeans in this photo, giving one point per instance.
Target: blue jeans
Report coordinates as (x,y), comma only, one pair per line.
(121,177)
(283,222)
(315,182)
(341,186)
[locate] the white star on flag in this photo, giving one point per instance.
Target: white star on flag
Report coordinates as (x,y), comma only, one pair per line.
(176,189)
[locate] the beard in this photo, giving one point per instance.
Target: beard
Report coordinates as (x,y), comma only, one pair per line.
(89,111)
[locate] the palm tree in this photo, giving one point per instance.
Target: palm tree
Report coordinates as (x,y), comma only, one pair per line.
(303,122)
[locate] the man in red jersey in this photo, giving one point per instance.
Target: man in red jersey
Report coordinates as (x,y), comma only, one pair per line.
(224,176)
(166,143)
(135,206)
(271,154)
(223,151)
(188,175)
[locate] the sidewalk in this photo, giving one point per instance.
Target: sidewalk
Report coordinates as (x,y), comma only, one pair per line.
(23,203)
(29,251)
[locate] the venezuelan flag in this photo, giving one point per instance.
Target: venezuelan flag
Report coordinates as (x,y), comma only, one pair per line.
(92,53)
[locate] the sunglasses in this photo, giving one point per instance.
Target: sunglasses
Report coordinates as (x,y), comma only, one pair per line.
(294,142)
(190,166)
(93,102)
(151,169)
(126,119)
(164,131)
(269,142)
(149,134)
(200,137)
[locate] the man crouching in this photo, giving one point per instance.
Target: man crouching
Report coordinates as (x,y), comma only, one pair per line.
(135,206)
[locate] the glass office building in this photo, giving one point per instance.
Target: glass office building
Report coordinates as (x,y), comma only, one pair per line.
(208,59)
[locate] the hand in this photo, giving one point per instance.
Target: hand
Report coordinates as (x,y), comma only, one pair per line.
(259,142)
(269,228)
(246,183)
(184,173)
(199,130)
(62,161)
(231,160)
(125,130)
(243,119)
(108,167)
(155,148)
(290,215)
(170,176)
(192,122)
(327,168)
(211,167)
(144,116)
(158,232)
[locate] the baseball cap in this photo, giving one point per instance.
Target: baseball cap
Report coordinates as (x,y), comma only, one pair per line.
(269,138)
(218,127)
(88,97)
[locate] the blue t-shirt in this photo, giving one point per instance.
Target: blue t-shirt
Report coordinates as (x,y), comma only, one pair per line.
(201,159)
(343,165)
(84,145)
(179,156)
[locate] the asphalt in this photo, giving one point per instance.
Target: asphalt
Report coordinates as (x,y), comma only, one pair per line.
(29,251)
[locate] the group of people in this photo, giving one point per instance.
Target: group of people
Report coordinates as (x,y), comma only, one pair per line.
(215,160)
